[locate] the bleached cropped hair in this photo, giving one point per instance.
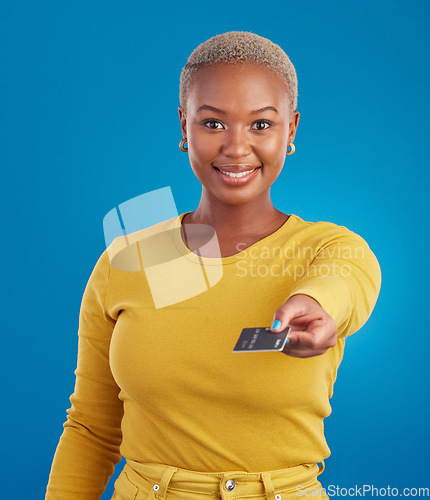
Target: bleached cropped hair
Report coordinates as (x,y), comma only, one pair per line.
(236,47)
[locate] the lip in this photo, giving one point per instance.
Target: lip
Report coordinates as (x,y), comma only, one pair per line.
(237,181)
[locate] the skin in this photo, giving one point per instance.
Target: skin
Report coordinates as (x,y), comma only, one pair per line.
(222,128)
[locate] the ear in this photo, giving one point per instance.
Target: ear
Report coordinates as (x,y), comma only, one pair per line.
(294,122)
(183,119)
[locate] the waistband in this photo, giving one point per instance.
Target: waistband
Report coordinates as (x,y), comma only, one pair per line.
(225,485)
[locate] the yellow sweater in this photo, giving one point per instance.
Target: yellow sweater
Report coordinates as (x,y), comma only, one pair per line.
(156,379)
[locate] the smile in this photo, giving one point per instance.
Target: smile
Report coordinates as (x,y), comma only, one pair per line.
(237,178)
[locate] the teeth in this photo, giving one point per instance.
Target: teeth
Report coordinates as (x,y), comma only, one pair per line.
(241,174)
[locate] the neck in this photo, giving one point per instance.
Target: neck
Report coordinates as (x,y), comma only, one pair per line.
(250,218)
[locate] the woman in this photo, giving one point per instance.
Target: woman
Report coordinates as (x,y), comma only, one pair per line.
(157,379)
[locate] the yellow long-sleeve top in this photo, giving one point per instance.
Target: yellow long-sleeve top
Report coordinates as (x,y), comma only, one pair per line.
(156,379)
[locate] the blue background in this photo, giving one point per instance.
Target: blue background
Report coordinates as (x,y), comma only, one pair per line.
(89,96)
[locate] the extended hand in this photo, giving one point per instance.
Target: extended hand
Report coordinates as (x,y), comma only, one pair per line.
(313,330)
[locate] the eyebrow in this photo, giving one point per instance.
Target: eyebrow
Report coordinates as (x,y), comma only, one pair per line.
(221,112)
(266,108)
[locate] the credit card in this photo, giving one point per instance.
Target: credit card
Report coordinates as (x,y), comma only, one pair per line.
(261,339)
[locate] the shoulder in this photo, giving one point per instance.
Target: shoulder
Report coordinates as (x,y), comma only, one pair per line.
(321,233)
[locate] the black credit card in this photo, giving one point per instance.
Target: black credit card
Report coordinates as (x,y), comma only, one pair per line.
(261,339)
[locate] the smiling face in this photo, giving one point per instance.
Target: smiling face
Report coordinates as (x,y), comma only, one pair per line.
(237,119)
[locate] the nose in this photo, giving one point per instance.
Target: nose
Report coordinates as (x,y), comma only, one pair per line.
(236,143)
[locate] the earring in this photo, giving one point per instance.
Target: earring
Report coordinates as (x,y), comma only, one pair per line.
(181,145)
(291,151)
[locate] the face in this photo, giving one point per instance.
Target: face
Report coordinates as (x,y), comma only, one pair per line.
(237,120)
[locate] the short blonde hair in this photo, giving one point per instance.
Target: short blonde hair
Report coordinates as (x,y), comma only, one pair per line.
(237,47)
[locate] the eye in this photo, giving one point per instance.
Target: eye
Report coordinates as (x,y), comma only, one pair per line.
(213,124)
(261,125)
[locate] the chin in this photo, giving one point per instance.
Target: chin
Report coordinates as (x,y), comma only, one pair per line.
(235,199)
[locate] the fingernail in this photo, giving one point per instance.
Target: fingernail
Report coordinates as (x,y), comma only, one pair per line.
(276,324)
(287,341)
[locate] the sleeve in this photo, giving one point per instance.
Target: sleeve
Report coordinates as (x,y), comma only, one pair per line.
(88,449)
(345,278)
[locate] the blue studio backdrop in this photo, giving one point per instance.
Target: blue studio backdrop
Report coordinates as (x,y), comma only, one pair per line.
(89,120)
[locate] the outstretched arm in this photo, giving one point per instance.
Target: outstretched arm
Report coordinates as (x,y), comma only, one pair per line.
(333,299)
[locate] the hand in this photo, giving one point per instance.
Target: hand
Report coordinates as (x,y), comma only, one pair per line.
(313,330)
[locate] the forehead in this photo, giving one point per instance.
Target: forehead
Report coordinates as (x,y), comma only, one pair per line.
(245,85)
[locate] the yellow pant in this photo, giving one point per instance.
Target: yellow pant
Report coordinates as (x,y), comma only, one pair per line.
(162,482)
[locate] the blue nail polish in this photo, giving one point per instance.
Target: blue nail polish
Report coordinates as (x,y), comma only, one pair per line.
(276,324)
(287,341)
